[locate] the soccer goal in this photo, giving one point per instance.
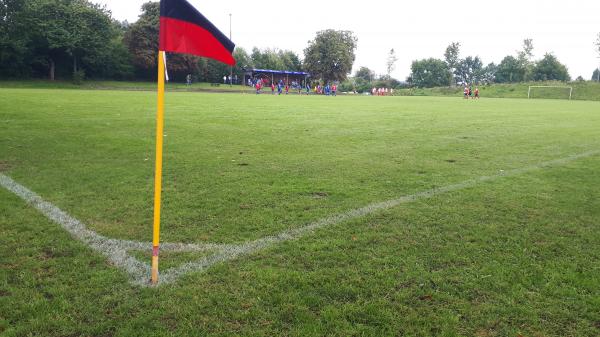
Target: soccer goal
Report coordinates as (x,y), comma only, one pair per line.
(550,92)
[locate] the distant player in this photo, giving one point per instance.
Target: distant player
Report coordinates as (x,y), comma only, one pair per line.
(257,86)
(466,92)
(287,89)
(334,90)
(272,88)
(477,93)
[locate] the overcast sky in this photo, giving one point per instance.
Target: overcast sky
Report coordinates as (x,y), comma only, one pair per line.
(415,29)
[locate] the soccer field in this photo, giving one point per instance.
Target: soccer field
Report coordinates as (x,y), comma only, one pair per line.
(308,216)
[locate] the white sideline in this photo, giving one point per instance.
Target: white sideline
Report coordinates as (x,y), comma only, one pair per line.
(117,250)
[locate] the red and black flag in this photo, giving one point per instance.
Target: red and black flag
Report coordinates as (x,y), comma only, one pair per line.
(184,30)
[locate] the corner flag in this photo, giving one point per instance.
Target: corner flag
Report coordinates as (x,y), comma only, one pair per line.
(182,30)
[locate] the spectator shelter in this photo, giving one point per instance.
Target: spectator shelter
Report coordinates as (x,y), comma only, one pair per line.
(291,78)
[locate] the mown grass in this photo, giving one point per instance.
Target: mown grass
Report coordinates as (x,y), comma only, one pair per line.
(514,256)
(121,85)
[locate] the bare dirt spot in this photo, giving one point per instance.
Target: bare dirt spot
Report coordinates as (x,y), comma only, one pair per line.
(319,195)
(5,166)
(451,160)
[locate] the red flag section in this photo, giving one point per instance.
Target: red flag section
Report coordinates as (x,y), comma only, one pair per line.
(184,30)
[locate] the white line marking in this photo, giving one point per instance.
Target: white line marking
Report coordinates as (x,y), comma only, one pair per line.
(117,250)
(230,253)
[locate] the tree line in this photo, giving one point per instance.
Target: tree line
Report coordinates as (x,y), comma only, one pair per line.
(78,39)
(454,70)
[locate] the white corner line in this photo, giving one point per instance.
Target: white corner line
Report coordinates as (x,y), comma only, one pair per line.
(117,250)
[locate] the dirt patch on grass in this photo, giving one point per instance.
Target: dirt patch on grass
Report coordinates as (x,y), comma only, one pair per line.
(5,166)
(319,195)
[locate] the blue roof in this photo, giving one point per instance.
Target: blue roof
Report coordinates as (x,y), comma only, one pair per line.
(282,72)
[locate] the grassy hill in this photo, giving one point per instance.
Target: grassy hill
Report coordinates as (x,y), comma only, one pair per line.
(588,91)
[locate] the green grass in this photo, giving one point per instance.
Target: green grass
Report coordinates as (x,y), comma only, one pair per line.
(515,256)
(119,85)
(589,91)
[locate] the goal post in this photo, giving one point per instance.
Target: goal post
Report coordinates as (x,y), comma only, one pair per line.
(548,90)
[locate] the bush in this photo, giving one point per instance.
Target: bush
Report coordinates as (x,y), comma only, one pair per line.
(78,76)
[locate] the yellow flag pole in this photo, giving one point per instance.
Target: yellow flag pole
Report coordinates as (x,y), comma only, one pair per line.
(160,113)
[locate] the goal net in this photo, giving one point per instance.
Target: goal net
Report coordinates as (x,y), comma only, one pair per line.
(550,92)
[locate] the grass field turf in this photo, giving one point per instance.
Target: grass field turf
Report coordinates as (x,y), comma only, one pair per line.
(514,256)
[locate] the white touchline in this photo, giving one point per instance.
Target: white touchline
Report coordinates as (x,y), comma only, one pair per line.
(117,251)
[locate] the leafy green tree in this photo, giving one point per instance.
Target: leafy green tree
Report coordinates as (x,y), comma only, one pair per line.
(330,55)
(14,39)
(290,60)
(510,70)
(451,56)
(429,73)
(365,74)
(488,73)
(597,44)
(267,59)
(141,40)
(63,30)
(549,68)
(243,62)
(469,70)
(596,75)
(391,63)
(525,57)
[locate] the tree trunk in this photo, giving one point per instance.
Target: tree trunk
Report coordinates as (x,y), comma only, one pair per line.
(52,69)
(74,64)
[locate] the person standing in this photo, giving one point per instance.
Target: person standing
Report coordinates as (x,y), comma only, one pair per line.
(334,90)
(257,86)
(272,88)
(477,93)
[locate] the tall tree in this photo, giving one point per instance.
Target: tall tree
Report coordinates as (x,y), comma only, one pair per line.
(365,74)
(142,41)
(451,56)
(429,73)
(488,73)
(267,59)
(510,70)
(469,70)
(597,44)
(14,39)
(330,55)
(549,68)
(391,63)
(290,60)
(525,57)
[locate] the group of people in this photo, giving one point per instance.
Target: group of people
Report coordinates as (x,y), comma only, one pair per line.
(328,90)
(283,88)
(382,91)
(468,93)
